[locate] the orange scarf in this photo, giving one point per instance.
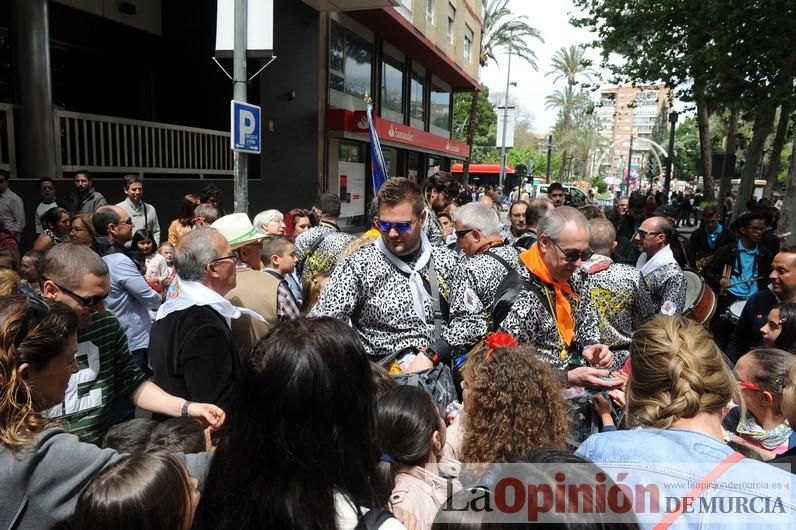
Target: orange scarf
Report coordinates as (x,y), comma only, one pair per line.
(532,259)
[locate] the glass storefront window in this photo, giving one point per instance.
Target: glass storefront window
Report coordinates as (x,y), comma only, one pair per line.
(350,62)
(392,97)
(440,111)
(416,100)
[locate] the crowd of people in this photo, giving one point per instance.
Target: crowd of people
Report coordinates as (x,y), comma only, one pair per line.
(279,372)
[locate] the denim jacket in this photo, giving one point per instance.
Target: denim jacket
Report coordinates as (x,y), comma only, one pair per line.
(748,494)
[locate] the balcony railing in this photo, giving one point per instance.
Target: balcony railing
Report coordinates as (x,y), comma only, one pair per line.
(107,144)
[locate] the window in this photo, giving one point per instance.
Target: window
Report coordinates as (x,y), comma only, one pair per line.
(430,10)
(440,111)
(468,43)
(417,114)
(392,97)
(350,60)
(451,20)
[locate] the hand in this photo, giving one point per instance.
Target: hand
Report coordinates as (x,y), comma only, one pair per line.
(210,415)
(601,405)
(620,376)
(420,363)
(724,283)
(590,378)
(454,411)
(598,354)
(618,397)
(406,518)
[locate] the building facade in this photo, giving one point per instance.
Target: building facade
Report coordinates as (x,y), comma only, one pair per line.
(626,112)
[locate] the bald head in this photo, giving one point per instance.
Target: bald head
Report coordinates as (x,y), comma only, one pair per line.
(662,225)
(113,222)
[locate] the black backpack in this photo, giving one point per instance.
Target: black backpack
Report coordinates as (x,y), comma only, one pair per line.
(507,292)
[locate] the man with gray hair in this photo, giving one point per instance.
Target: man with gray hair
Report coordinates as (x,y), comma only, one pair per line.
(616,291)
(550,314)
(534,214)
(76,276)
(192,350)
(487,263)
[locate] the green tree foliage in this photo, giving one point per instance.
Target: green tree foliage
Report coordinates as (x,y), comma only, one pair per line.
(484,136)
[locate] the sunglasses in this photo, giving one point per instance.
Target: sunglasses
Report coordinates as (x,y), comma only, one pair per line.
(129,221)
(572,256)
(461,233)
(36,312)
(85,301)
(642,234)
(401,227)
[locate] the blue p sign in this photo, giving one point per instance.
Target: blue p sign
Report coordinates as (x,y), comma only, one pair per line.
(245,121)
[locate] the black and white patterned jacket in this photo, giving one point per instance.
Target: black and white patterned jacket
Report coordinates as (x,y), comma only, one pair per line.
(481,276)
(667,287)
(370,291)
(620,300)
(532,320)
(433,229)
(324,257)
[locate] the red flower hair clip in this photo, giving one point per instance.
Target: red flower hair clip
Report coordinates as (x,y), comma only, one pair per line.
(499,339)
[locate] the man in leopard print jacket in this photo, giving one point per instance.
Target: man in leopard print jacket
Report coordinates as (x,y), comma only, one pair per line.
(616,291)
(386,291)
(487,259)
(551,315)
(318,249)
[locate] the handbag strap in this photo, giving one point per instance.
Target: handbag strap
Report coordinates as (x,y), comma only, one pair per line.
(432,280)
(702,486)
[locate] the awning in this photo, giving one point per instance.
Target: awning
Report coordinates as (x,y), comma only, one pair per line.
(482,169)
(348,5)
(353,125)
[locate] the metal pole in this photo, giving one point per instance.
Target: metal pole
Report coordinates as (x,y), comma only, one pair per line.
(505,120)
(240,161)
(670,158)
(549,153)
(629,162)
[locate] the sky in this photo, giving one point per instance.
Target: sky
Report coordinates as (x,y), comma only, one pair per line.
(551,17)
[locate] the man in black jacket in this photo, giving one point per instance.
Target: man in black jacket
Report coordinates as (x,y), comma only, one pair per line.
(708,238)
(737,271)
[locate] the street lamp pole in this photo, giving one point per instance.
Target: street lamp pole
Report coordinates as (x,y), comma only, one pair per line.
(505,122)
(629,162)
(549,154)
(670,158)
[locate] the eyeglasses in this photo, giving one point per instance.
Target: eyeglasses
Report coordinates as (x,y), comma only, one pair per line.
(85,301)
(461,233)
(129,222)
(572,256)
(401,227)
(642,234)
(36,312)
(233,256)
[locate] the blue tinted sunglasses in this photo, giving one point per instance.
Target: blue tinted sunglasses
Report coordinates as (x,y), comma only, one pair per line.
(401,227)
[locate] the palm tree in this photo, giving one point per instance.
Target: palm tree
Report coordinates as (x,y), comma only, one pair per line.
(502,29)
(569,64)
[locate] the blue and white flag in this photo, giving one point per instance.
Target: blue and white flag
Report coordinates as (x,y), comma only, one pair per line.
(378,169)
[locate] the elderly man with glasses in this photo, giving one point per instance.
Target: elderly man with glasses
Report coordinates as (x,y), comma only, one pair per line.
(550,314)
(662,275)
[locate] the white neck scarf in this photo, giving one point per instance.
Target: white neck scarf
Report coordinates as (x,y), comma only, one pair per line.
(663,257)
(183,294)
(419,294)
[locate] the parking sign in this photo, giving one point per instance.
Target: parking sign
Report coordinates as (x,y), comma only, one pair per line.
(245,123)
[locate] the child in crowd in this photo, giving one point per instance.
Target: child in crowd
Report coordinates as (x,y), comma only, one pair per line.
(131,435)
(279,256)
(167,251)
(780,329)
(411,435)
(312,290)
(180,435)
(157,270)
(762,375)
(149,490)
(29,272)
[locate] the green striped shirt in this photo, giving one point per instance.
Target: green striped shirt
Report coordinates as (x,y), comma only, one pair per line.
(106,371)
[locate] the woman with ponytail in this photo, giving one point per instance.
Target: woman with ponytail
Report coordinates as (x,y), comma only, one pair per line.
(678,387)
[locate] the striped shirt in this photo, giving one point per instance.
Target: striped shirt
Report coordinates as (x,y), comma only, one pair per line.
(106,372)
